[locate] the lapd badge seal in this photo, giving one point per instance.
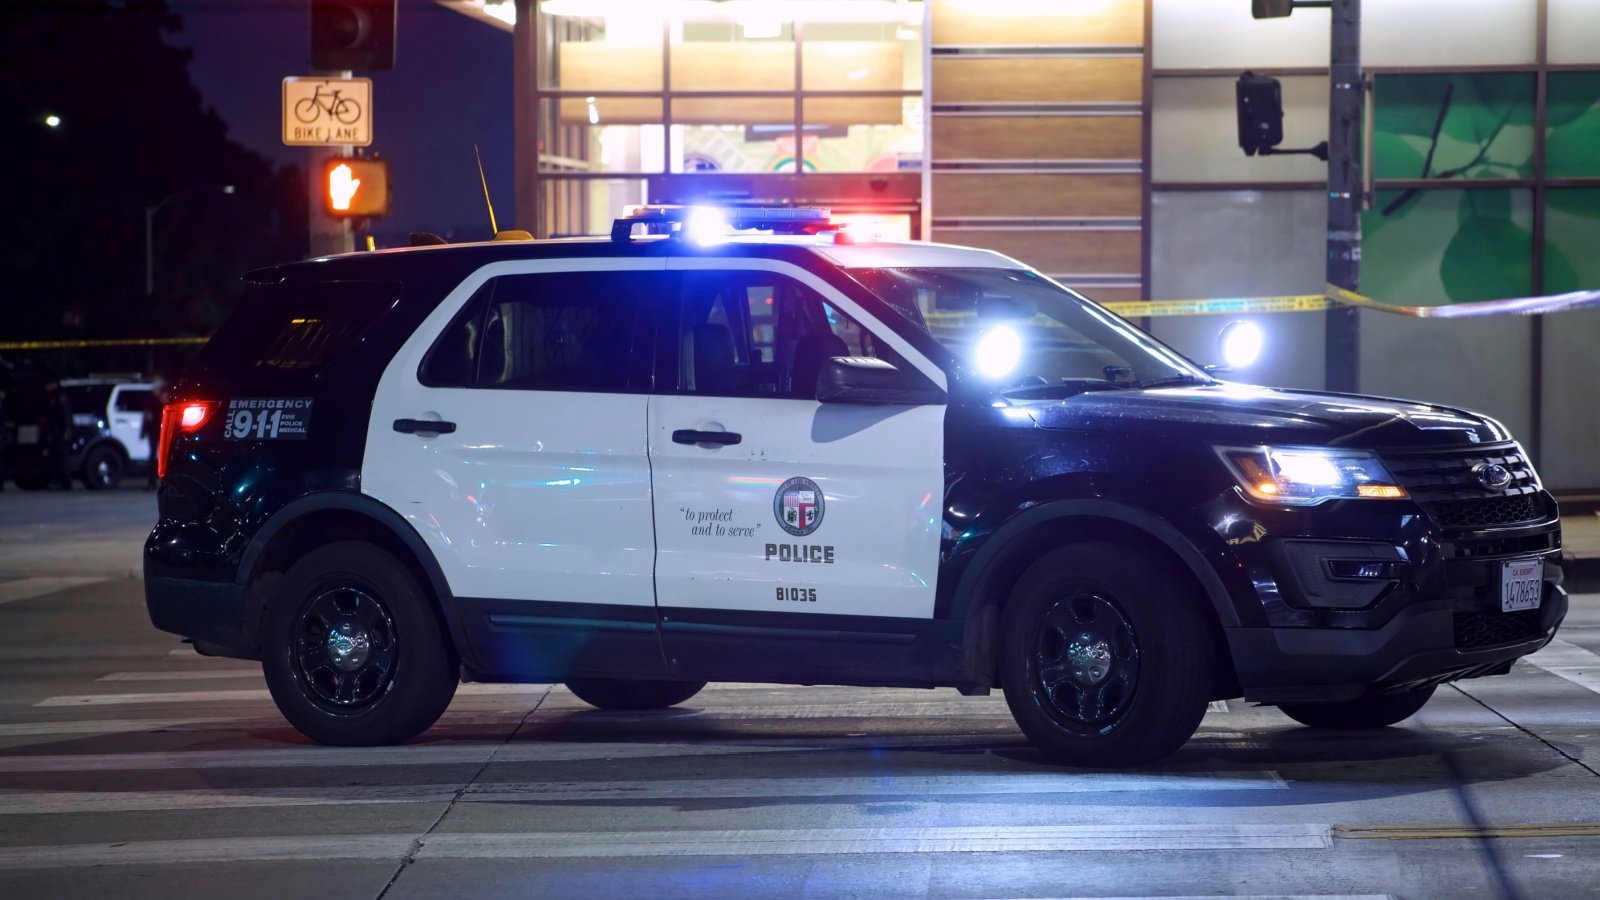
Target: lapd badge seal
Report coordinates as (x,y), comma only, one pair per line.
(798,506)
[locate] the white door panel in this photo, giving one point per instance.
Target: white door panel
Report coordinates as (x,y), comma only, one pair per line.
(537,495)
(721,543)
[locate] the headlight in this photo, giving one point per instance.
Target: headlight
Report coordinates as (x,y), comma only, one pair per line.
(1306,476)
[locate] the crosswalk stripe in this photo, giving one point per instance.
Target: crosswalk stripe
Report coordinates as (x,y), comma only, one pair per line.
(352,757)
(28,588)
(252,695)
(766,842)
(454,718)
(1567,660)
(20,803)
(186,675)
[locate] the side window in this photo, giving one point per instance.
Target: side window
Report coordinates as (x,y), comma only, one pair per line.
(759,334)
(132,401)
(559,331)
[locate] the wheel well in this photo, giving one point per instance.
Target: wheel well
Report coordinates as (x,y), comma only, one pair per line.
(304,534)
(1003,571)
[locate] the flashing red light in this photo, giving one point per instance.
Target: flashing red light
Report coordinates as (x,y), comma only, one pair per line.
(180,418)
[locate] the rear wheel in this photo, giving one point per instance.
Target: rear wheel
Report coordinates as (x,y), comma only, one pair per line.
(1375,711)
(627,693)
(353,651)
(102,468)
(1105,658)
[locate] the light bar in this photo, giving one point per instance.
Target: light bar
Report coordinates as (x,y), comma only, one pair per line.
(707,223)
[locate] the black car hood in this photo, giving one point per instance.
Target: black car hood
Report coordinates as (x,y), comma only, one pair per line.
(1250,414)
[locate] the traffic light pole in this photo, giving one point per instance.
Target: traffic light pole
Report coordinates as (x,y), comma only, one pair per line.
(328,235)
(1347,93)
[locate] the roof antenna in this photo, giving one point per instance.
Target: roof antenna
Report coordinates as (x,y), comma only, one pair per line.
(493,228)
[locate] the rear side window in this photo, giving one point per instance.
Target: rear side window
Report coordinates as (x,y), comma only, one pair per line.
(296,326)
(132,400)
(88,398)
(558,331)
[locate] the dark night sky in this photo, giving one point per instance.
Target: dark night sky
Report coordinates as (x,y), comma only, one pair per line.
(451,87)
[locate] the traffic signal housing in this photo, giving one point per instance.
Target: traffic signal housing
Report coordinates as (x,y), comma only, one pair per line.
(1260,109)
(355,187)
(352,34)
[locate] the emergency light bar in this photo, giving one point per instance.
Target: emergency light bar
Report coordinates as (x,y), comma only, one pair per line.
(707,224)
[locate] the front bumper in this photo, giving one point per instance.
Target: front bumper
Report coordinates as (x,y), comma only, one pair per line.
(1429,614)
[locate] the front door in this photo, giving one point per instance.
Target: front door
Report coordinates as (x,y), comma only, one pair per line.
(127,420)
(785,528)
(510,432)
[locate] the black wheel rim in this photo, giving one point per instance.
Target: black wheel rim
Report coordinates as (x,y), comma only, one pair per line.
(344,650)
(1084,668)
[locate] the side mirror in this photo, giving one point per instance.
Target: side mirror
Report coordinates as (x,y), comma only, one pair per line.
(863,379)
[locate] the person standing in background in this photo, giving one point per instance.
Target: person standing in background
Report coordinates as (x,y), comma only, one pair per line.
(150,429)
(5,437)
(56,424)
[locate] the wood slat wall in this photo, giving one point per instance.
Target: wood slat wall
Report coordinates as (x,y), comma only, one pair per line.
(1029,102)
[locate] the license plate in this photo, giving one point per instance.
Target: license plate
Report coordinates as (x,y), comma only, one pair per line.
(1521,584)
(27,434)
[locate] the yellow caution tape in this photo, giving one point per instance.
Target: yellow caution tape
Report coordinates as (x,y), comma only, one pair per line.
(1132,309)
(1135,309)
(108,342)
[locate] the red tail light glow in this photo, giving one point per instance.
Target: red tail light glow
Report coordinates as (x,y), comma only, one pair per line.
(187,417)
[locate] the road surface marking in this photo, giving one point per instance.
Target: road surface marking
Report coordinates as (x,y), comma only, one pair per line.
(21,803)
(787,842)
(342,757)
(28,588)
(1565,659)
(186,675)
(451,719)
(253,695)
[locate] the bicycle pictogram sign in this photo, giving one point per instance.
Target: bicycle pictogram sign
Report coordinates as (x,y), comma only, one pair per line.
(327,112)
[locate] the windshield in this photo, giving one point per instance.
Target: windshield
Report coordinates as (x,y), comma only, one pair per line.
(1026,335)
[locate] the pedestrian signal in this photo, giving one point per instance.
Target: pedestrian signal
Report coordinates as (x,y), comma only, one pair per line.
(355,187)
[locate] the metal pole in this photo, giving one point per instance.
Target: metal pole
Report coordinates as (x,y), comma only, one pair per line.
(149,251)
(525,114)
(1343,340)
(327,234)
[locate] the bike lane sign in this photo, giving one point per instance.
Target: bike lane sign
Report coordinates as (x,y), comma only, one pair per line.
(327,112)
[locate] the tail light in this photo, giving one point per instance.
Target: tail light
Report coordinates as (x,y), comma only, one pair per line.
(187,417)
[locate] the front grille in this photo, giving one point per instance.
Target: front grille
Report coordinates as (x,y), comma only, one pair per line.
(1509,546)
(1485,513)
(1444,484)
(1486,629)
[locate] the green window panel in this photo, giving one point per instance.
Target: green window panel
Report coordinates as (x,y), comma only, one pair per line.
(1477,125)
(1571,234)
(1448,245)
(1572,122)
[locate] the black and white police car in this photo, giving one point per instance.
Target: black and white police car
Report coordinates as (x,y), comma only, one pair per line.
(737,446)
(105,441)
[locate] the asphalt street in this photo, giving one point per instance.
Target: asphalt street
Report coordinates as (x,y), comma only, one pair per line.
(132,767)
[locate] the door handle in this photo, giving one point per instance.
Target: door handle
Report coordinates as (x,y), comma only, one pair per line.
(424,426)
(690,436)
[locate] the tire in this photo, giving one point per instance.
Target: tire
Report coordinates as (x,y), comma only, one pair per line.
(384,672)
(102,469)
(626,693)
(1374,711)
(1139,687)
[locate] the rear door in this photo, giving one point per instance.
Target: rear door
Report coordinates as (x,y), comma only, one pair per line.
(510,431)
(128,404)
(784,525)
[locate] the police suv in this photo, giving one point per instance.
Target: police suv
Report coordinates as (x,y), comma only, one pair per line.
(738,446)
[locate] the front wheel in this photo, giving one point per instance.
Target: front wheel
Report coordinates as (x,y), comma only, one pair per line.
(1105,657)
(353,651)
(627,693)
(1375,711)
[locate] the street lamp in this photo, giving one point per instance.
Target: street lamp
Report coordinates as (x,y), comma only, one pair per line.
(150,229)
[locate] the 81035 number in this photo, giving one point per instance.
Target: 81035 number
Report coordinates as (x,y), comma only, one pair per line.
(798,595)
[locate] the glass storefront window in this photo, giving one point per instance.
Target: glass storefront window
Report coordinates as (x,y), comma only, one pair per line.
(863,134)
(1421,247)
(600,52)
(601,134)
(1571,232)
(1477,125)
(576,207)
(1572,122)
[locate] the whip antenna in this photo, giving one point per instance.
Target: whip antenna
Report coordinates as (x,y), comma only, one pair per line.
(485,179)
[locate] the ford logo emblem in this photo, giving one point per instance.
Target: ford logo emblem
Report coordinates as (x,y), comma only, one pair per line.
(1492,476)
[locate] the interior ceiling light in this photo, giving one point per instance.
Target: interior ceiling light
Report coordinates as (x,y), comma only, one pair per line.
(908,12)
